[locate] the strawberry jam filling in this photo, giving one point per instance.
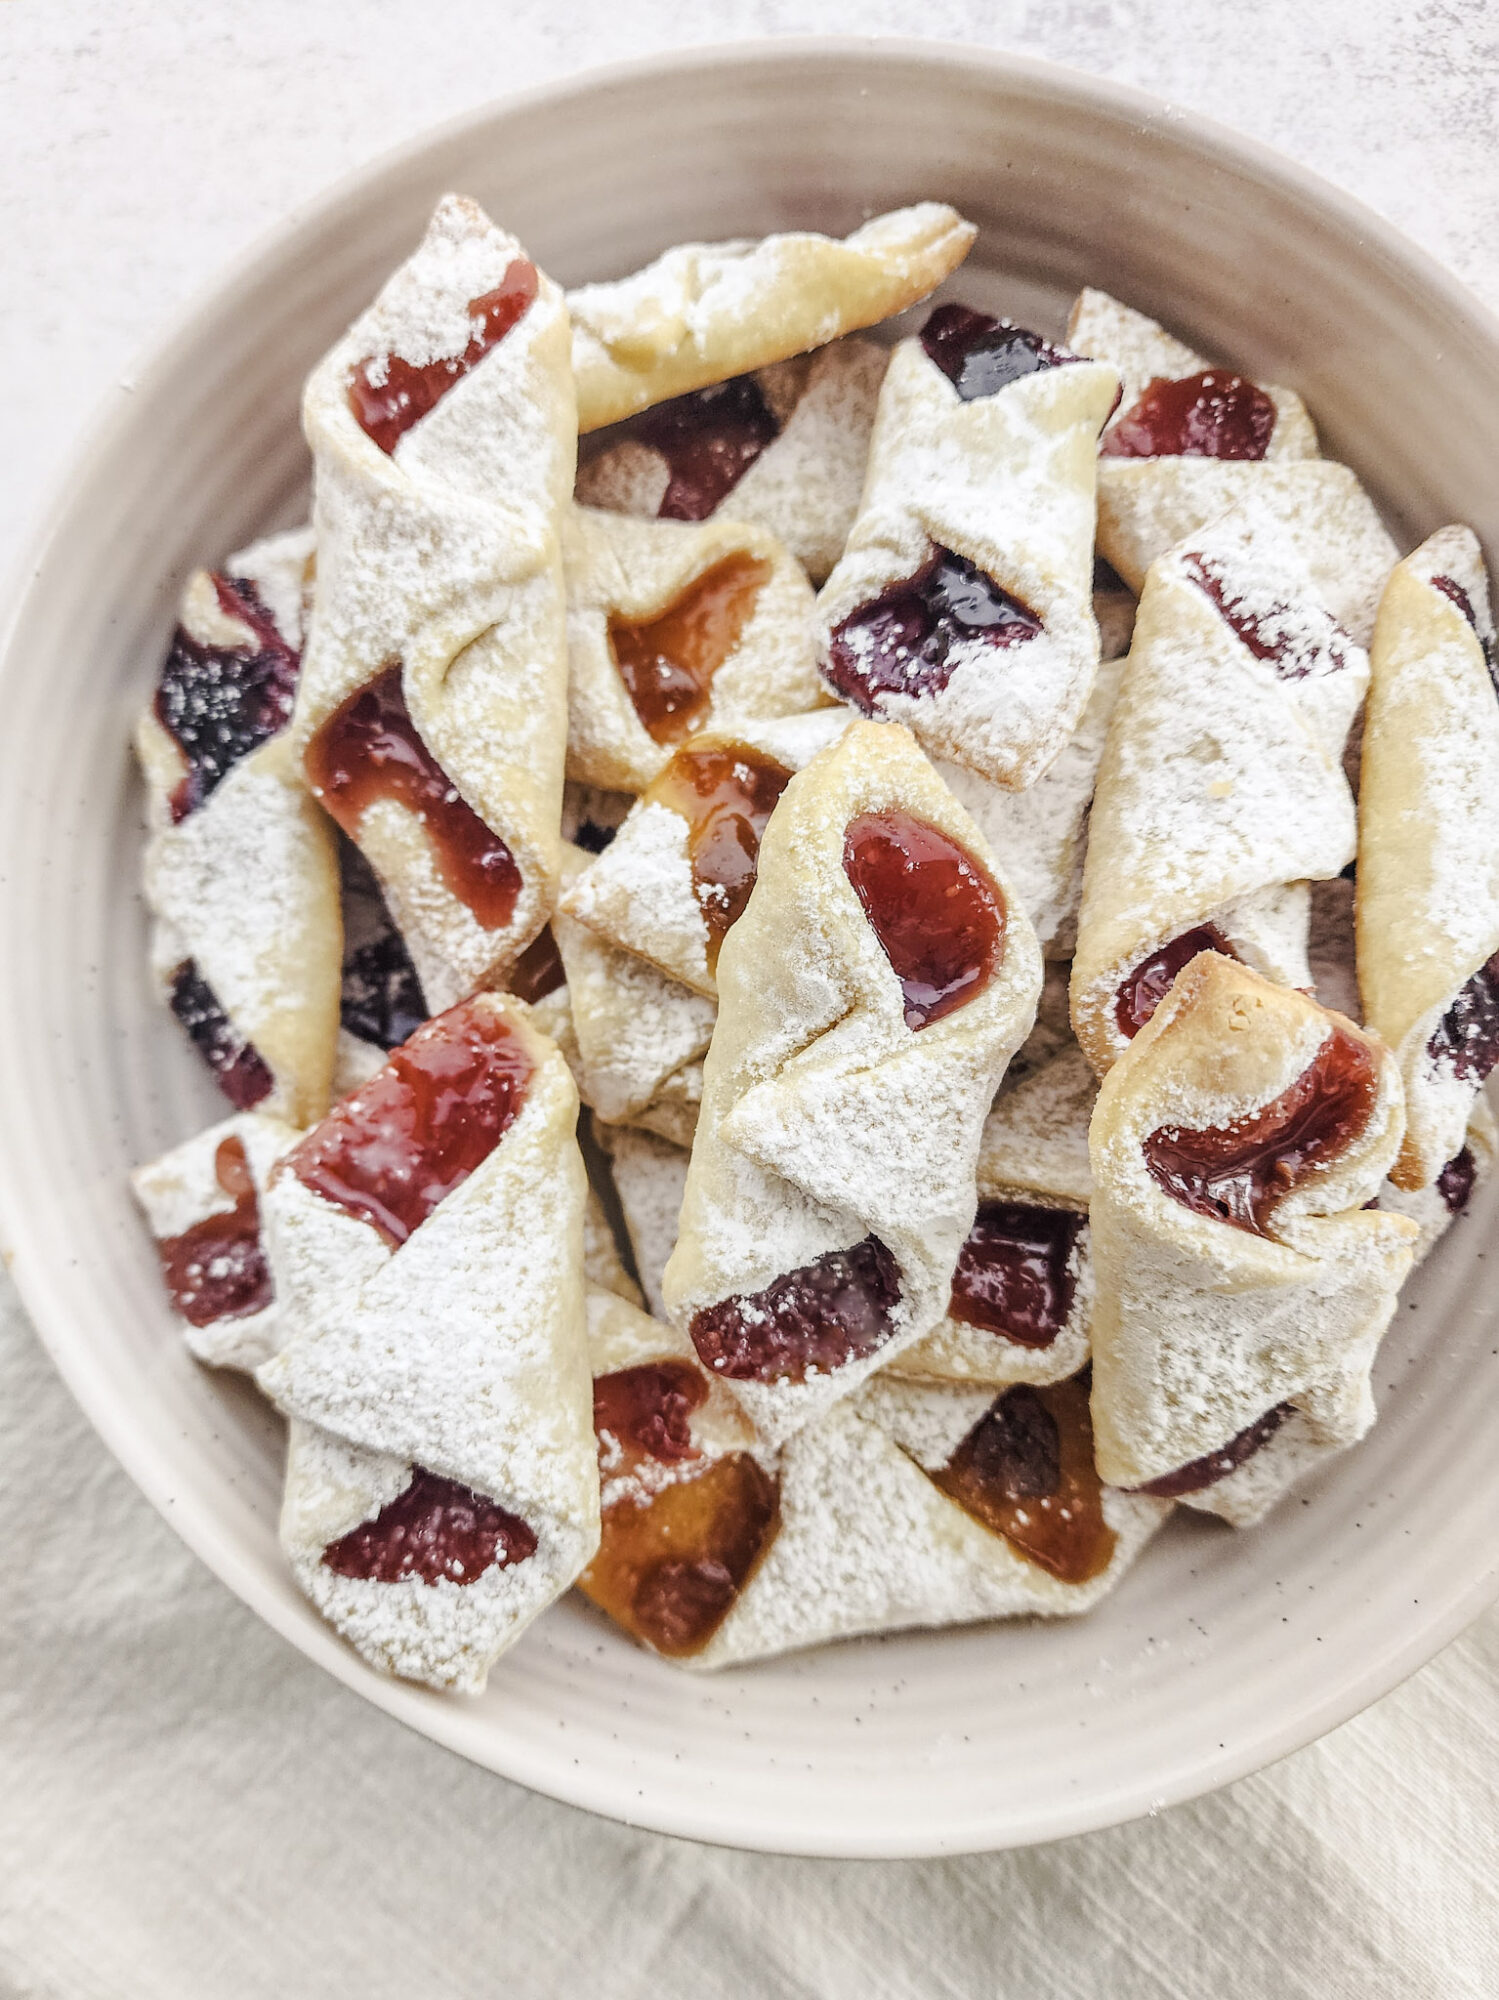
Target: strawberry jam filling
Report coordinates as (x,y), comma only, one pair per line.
(1016,1273)
(1450,587)
(1238,1173)
(237,1065)
(369,749)
(1273,632)
(709,440)
(979,354)
(914,636)
(939,919)
(1153,978)
(1456,1181)
(1466,1041)
(812,1320)
(218,703)
(667,664)
(726,798)
(436,1531)
(397,1146)
(1025,1471)
(1210,415)
(216,1269)
(1215,1465)
(388,394)
(381,999)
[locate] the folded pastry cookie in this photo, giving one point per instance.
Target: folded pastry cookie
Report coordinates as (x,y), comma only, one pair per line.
(1190,440)
(650,1174)
(431,716)
(962,605)
(1436,1206)
(201,1202)
(426,1243)
(1221,791)
(674,627)
(870,996)
(1428,862)
(705,312)
(1243,1280)
(785,448)
(1022,1293)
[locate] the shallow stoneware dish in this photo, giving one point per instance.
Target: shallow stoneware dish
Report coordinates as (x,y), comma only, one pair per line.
(1220,1652)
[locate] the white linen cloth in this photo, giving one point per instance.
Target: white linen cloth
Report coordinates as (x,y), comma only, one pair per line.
(191,1811)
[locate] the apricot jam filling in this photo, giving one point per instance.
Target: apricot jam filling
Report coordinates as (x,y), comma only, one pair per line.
(667,663)
(726,798)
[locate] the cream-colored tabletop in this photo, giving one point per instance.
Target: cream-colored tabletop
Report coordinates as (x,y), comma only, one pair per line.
(187,1807)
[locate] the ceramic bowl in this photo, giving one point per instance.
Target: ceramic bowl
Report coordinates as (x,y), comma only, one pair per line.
(1221,1651)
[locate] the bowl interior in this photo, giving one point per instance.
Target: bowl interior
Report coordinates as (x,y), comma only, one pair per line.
(1219,1652)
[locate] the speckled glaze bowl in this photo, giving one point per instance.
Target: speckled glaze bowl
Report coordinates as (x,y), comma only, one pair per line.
(1220,1652)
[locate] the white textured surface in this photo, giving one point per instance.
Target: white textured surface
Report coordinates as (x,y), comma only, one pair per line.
(190,1807)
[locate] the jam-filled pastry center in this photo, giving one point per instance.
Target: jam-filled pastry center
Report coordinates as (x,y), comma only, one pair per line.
(825,1314)
(238,1067)
(1272,631)
(388,394)
(1152,979)
(914,636)
(370,749)
(709,440)
(939,919)
(1238,1173)
(1466,1039)
(980,354)
(646,1413)
(539,969)
(1016,1274)
(381,999)
(218,703)
(216,1269)
(1206,1471)
(1451,588)
(1213,414)
(726,797)
(437,1531)
(667,663)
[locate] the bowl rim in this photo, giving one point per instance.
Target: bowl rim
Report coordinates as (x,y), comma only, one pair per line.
(437,1717)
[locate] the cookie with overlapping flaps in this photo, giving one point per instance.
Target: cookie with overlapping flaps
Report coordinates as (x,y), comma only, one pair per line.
(1428,861)
(704,313)
(650,1175)
(1221,791)
(1191,440)
(432,711)
(784,447)
(426,1242)
(1242,1274)
(870,997)
(962,604)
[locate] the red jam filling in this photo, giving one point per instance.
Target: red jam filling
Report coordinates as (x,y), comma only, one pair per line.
(667,664)
(394,1148)
(1026,1471)
(1466,1041)
(1211,415)
(1015,1274)
(726,798)
(914,636)
(436,1531)
(369,749)
(979,354)
(1153,978)
(218,703)
(216,1269)
(1216,1465)
(406,391)
(237,1065)
(709,440)
(1238,1173)
(1450,587)
(814,1319)
(381,999)
(1271,632)
(539,970)
(1456,1181)
(939,919)
(646,1412)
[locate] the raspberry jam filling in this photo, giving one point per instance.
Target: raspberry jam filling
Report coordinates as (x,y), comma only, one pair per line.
(646,1413)
(389,394)
(216,1269)
(1450,587)
(1238,1173)
(1025,1471)
(1272,632)
(218,703)
(436,1531)
(914,636)
(709,440)
(813,1320)
(726,798)
(1466,1041)
(1152,979)
(237,1065)
(538,971)
(1456,1181)
(397,1146)
(381,999)
(1215,1465)
(979,354)
(1016,1273)
(1210,415)
(667,664)
(369,749)
(939,919)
